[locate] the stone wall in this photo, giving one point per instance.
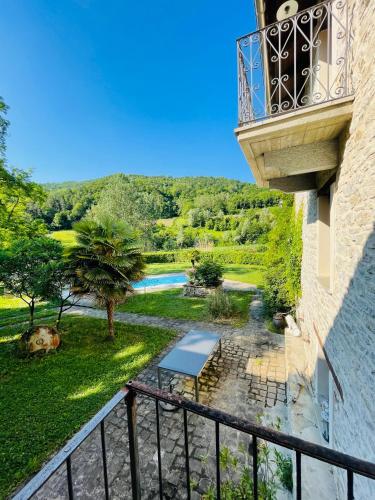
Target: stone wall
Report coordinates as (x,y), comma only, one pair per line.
(344,315)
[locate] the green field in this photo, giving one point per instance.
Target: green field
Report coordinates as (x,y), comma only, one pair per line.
(66,237)
(170,304)
(14,310)
(246,273)
(45,399)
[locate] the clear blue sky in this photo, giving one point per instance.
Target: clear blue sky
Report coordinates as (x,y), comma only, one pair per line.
(103,86)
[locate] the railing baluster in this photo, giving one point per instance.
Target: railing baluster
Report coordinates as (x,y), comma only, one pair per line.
(255,468)
(265,76)
(350,485)
(131,407)
(104,457)
(187,462)
(69,477)
(159,451)
(218,480)
(298,475)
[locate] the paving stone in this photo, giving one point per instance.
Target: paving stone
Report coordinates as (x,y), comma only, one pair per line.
(247,379)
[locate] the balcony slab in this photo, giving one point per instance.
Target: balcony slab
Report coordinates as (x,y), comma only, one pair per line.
(295,143)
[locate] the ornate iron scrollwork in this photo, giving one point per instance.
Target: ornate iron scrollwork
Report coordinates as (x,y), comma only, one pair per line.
(300,61)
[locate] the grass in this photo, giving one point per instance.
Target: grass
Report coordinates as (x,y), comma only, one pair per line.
(246,273)
(45,399)
(172,267)
(67,237)
(170,304)
(14,310)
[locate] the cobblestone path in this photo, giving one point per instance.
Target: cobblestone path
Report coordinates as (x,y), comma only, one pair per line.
(248,380)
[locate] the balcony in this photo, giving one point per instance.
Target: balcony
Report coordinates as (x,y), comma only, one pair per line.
(60,470)
(295,94)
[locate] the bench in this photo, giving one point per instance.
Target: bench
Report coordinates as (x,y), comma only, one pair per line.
(189,356)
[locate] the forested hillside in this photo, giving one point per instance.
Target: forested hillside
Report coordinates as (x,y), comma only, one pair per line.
(168,212)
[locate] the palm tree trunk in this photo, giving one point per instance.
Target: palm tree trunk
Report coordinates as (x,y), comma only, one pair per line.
(110,310)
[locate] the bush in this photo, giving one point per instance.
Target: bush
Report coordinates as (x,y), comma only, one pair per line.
(283,258)
(221,255)
(207,273)
(220,305)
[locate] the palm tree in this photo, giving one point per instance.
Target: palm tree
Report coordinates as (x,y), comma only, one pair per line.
(105,262)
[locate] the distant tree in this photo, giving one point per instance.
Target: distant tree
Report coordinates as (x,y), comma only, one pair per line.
(124,201)
(23,269)
(17,192)
(105,262)
(197,217)
(185,238)
(61,220)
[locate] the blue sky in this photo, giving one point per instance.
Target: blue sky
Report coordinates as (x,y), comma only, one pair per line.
(103,86)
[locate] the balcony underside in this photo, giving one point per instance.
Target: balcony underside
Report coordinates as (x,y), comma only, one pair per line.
(287,151)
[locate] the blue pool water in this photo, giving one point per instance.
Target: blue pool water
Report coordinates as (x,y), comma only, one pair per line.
(177,279)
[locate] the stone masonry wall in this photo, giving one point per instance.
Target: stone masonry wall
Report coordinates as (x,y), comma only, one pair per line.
(345,316)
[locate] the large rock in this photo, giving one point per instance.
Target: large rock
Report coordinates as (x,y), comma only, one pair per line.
(41,338)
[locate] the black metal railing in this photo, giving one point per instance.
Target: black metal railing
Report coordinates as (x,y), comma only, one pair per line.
(303,60)
(352,466)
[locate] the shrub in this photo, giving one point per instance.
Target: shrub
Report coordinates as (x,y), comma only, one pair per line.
(284,470)
(207,273)
(283,262)
(221,255)
(220,305)
(236,474)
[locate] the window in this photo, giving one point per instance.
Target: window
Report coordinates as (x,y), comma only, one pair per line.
(325,235)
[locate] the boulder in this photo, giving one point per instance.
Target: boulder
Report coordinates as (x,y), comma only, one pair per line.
(41,338)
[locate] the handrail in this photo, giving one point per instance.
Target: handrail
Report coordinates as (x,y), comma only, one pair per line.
(129,394)
(34,485)
(317,451)
(299,13)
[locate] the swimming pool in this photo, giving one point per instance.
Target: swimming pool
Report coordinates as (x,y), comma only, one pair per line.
(175,279)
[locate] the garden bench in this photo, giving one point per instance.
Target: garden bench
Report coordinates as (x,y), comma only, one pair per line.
(190,355)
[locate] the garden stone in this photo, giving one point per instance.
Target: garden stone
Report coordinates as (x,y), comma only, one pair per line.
(41,338)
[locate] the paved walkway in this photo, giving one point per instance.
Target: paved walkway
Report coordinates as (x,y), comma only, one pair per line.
(248,380)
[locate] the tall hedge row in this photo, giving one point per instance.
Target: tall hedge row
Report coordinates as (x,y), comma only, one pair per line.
(221,255)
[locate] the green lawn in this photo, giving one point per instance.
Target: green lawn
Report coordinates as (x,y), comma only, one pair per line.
(172,267)
(170,304)
(13,310)
(44,400)
(246,273)
(66,237)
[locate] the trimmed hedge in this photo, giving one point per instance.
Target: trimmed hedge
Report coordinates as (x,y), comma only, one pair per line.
(221,255)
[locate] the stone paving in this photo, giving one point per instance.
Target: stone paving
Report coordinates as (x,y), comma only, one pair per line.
(248,380)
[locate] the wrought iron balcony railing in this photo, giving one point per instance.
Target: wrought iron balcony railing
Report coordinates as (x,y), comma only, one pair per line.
(301,61)
(352,466)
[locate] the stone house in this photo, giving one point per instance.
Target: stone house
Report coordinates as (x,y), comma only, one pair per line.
(307,126)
